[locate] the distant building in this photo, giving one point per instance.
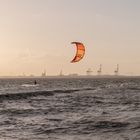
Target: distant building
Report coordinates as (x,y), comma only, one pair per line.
(31,75)
(73,74)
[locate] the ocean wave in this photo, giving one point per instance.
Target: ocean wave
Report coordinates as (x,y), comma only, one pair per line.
(25,95)
(84,127)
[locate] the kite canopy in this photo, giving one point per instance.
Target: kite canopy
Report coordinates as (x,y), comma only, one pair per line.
(79,53)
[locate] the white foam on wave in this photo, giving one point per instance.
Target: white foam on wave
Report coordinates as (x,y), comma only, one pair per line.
(29,85)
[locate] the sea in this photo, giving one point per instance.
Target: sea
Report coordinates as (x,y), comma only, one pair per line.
(70,108)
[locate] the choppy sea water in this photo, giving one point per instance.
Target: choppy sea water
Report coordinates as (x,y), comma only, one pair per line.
(70,109)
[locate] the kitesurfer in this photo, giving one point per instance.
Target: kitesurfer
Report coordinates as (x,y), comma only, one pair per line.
(35,82)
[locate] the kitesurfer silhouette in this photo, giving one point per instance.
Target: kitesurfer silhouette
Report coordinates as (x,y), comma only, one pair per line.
(35,82)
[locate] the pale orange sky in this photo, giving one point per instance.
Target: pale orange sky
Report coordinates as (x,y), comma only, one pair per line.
(36,35)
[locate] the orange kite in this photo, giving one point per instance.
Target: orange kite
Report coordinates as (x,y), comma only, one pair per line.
(79,53)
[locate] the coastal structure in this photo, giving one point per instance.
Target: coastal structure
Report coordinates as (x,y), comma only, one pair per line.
(99,72)
(44,73)
(61,73)
(89,72)
(116,72)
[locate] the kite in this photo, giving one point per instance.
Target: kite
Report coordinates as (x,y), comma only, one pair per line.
(79,53)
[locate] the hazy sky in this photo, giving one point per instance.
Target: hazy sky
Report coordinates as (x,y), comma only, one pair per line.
(36,34)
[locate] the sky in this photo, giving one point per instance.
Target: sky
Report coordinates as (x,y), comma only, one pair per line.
(37,35)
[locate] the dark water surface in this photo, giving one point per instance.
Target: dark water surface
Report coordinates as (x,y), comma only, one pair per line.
(70,109)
